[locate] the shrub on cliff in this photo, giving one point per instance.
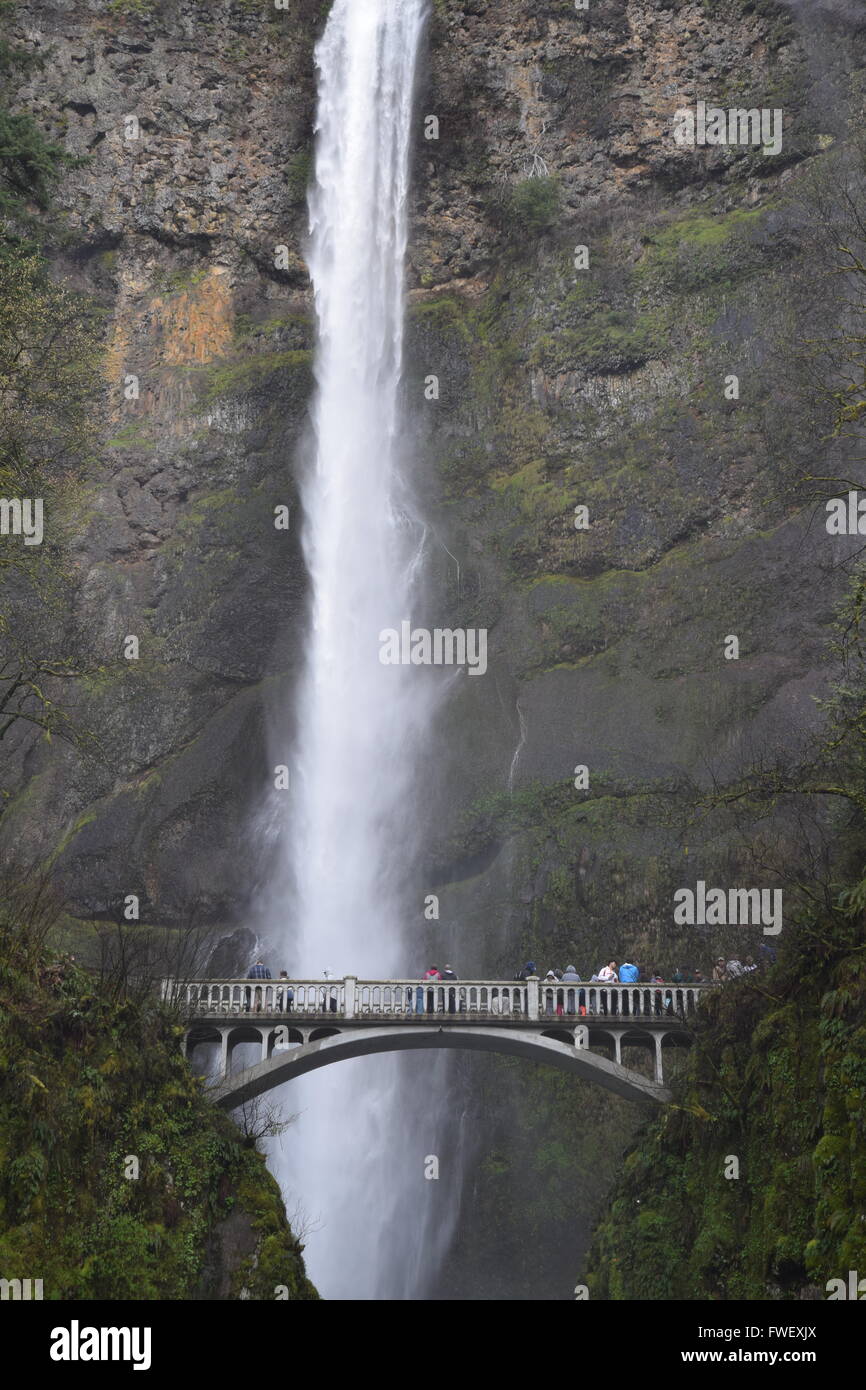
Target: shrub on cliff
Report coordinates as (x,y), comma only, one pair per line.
(118,1179)
(29,162)
(752,1185)
(531,207)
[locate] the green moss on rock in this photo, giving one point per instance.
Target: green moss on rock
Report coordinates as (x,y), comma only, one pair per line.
(777,1080)
(90,1079)
(236,378)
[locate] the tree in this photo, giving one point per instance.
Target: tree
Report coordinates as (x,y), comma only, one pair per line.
(29,163)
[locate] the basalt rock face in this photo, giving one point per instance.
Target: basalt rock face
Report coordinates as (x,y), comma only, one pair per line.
(559,387)
(609,389)
(194,121)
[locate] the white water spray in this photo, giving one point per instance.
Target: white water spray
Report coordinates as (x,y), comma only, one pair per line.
(360,722)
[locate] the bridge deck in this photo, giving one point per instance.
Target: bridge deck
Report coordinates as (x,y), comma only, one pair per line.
(666,1022)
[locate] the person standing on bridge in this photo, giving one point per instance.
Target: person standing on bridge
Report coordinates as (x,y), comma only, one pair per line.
(430,975)
(607,975)
(259,971)
(628,975)
(329,995)
(285,994)
(573,998)
(449,974)
(656,979)
(549,992)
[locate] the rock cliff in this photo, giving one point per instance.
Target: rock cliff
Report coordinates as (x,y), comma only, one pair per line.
(559,388)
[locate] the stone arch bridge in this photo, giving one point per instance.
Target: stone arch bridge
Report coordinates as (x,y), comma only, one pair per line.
(301,1025)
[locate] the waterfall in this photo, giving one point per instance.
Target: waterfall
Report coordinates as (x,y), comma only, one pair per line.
(349,846)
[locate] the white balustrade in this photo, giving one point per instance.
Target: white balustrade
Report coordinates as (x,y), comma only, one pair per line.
(458,1000)
(215,998)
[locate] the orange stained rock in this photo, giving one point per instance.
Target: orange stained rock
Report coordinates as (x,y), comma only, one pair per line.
(195,324)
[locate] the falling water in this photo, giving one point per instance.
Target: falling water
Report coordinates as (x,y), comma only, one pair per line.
(360,723)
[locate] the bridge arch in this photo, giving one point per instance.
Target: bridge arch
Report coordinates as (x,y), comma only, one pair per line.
(340,1045)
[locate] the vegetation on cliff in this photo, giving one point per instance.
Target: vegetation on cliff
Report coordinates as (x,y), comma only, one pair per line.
(119,1178)
(29,162)
(752,1185)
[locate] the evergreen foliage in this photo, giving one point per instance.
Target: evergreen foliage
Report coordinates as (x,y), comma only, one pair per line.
(91,1076)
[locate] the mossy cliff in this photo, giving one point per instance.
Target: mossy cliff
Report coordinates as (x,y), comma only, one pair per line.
(118,1178)
(752,1184)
